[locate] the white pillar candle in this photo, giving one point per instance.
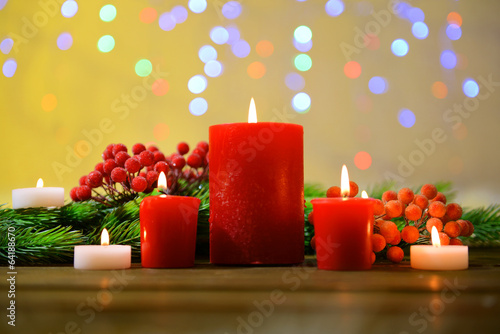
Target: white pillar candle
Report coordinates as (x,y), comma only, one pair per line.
(437,257)
(103,257)
(37,197)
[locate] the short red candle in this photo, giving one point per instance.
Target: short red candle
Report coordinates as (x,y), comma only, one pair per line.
(343,229)
(168,231)
(256,193)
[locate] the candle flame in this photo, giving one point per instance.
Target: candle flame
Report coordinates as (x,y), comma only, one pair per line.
(364,194)
(344,182)
(162,181)
(435,237)
(104,238)
(39,183)
(252,112)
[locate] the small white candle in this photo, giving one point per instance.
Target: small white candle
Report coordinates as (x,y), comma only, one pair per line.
(435,257)
(95,257)
(37,197)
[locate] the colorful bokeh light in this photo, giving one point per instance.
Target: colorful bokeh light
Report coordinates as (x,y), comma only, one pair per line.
(213,68)
(420,30)
(241,48)
(161,131)
(301,102)
(143,68)
(107,13)
(352,69)
(371,41)
(378,85)
(179,13)
(69,8)
(363,160)
(264,48)
(106,43)
(334,7)
(197,84)
(6,45)
(454,18)
(454,32)
(64,41)
(439,90)
(9,68)
(400,47)
(303,47)
(303,62)
(166,21)
(148,15)
(231,10)
(470,88)
(219,35)
(406,118)
(302,34)
(234,35)
(295,81)
(160,87)
(49,102)
(448,59)
(198,106)
(207,53)
(256,70)
(197,6)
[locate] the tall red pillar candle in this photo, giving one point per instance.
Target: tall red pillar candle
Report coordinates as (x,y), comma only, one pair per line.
(343,229)
(256,193)
(168,231)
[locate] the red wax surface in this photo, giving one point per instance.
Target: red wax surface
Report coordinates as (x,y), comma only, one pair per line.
(256,193)
(343,229)
(168,231)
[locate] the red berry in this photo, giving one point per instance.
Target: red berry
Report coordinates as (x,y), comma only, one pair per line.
(194,160)
(434,222)
(421,201)
(455,241)
(378,242)
(413,212)
(410,234)
(94,179)
(73,194)
(151,177)
(389,195)
(132,165)
(178,161)
(203,145)
(83,180)
(389,231)
(109,150)
(146,158)
(394,208)
(405,195)
(162,166)
(182,148)
(437,209)
(106,155)
(454,211)
(313,242)
(453,229)
(429,191)
(353,189)
(159,156)
(444,239)
(84,193)
(440,197)
(310,218)
(464,227)
(395,254)
(109,165)
(199,151)
(396,240)
(374,257)
(100,168)
(121,157)
(139,184)
(119,174)
(333,192)
(119,148)
(153,148)
(378,207)
(138,148)
(471,229)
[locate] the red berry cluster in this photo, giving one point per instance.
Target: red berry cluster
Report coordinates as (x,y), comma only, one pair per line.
(139,172)
(420,212)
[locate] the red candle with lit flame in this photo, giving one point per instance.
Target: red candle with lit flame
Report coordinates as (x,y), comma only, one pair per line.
(343,229)
(256,192)
(168,230)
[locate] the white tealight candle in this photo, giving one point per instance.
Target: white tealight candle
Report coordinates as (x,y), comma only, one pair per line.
(37,197)
(95,257)
(435,257)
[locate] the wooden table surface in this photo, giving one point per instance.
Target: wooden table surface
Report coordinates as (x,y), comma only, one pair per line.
(215,299)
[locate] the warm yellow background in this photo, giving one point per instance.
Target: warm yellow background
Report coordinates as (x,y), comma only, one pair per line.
(87,82)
